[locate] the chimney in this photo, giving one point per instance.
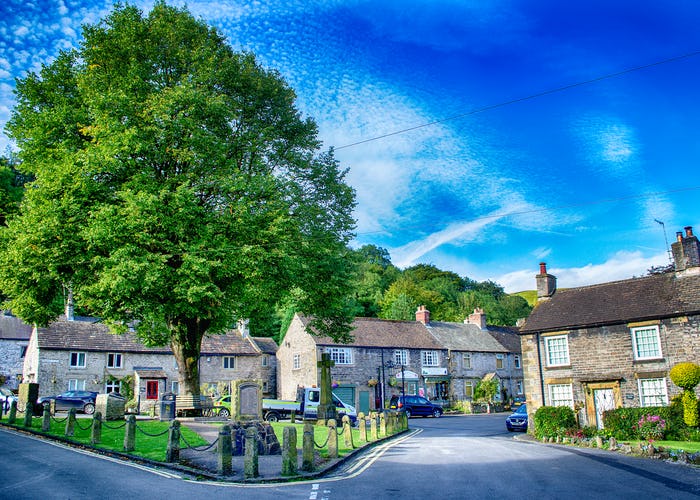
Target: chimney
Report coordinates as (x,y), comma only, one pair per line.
(423,315)
(243,328)
(546,283)
(69,306)
(477,318)
(686,250)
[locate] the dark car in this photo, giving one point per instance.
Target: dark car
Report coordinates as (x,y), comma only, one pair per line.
(517,421)
(80,400)
(415,405)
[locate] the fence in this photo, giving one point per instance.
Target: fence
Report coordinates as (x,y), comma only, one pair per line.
(381,425)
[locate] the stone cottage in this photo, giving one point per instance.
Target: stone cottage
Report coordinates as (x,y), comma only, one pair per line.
(81,353)
(605,346)
(14,339)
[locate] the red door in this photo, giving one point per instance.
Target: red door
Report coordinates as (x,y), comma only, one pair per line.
(152,389)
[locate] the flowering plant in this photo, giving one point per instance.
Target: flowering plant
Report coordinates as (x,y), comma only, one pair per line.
(651,427)
(372,382)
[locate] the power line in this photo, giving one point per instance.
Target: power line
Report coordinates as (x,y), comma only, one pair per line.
(526,98)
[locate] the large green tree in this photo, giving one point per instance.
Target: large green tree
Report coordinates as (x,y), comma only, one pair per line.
(177,188)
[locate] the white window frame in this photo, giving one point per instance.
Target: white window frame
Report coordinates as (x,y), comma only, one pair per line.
(228,362)
(469,384)
(175,387)
(430,358)
(113,386)
(516,362)
(78,359)
(519,387)
(264,360)
(467,361)
(502,359)
(401,357)
(296,361)
(653,391)
(637,336)
(75,384)
(114,360)
(563,358)
(340,355)
(561,395)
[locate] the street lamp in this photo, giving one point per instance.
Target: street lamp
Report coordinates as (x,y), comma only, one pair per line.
(391,364)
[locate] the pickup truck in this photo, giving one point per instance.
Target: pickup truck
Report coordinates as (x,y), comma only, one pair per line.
(306,406)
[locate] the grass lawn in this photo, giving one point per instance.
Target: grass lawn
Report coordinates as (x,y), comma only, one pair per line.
(320,437)
(687,446)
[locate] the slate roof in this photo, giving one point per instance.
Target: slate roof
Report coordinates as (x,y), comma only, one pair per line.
(507,336)
(13,328)
(266,344)
(375,332)
(638,299)
(465,337)
(88,334)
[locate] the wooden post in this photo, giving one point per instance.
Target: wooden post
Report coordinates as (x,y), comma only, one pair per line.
(308,448)
(172,452)
(70,423)
(289,451)
(130,433)
(250,466)
(225,451)
(332,439)
(96,433)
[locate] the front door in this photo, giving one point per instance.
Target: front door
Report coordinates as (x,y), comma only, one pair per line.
(152,389)
(604,400)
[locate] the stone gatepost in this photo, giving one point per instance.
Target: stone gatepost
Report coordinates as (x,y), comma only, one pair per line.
(250,465)
(96,433)
(289,451)
(373,426)
(172,452)
(599,441)
(613,444)
(362,424)
(326,408)
(332,439)
(382,424)
(225,451)
(347,432)
(130,433)
(70,423)
(13,413)
(308,448)
(28,414)
(390,423)
(46,419)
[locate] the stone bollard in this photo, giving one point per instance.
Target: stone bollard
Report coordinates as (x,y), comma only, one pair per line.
(382,424)
(293,417)
(332,439)
(96,433)
(225,451)
(599,441)
(13,413)
(172,452)
(130,433)
(289,451)
(613,444)
(28,414)
(70,423)
(390,423)
(46,419)
(362,425)
(373,426)
(308,448)
(250,465)
(347,432)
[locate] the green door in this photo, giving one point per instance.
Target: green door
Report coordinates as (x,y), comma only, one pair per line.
(364,402)
(345,394)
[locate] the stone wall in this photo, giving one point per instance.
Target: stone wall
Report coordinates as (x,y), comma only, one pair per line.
(296,341)
(12,361)
(481,364)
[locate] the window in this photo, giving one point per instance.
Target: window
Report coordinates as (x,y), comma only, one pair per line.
(264,360)
(340,355)
(22,351)
(557,350)
(175,387)
(561,395)
(646,343)
(401,357)
(652,392)
(265,387)
(76,385)
(296,362)
(499,361)
(229,362)
(516,361)
(467,360)
(114,360)
(520,386)
(113,386)
(468,389)
(430,358)
(77,360)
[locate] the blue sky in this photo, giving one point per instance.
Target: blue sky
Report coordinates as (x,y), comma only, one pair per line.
(574,178)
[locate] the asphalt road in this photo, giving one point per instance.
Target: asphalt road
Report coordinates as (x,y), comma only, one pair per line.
(453,457)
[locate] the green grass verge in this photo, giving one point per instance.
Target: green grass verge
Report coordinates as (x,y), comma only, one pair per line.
(687,446)
(320,437)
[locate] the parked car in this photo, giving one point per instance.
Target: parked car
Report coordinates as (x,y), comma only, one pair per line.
(6,398)
(80,400)
(517,421)
(415,405)
(222,406)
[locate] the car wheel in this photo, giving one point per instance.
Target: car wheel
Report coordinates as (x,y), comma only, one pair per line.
(408,413)
(89,409)
(436,413)
(272,417)
(223,412)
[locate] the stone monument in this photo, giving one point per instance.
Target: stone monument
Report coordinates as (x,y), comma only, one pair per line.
(326,408)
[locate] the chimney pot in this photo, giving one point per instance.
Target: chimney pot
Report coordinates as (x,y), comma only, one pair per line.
(543,268)
(679,236)
(546,283)
(423,315)
(688,231)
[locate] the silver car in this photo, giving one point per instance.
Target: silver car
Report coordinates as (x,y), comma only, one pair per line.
(6,398)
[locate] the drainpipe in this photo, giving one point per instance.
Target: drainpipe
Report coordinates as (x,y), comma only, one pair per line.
(539,366)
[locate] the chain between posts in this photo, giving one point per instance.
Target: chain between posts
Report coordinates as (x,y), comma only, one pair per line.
(149,434)
(114,427)
(188,446)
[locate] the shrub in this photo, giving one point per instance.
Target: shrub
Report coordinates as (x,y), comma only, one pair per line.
(622,423)
(463,406)
(685,375)
(552,421)
(651,427)
(690,408)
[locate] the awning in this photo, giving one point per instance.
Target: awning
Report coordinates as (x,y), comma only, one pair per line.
(440,378)
(157,374)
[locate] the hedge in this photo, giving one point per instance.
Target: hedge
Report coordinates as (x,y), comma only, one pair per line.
(552,421)
(621,422)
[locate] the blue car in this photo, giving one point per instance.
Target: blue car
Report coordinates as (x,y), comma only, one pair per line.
(517,421)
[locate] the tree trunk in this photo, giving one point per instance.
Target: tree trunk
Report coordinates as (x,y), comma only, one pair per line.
(186,344)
